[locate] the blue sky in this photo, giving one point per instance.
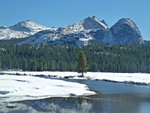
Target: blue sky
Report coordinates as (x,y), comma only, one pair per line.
(55,13)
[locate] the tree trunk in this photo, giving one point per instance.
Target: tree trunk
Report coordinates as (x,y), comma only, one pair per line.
(82,74)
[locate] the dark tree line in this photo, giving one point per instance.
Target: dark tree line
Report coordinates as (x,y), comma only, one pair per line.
(104,58)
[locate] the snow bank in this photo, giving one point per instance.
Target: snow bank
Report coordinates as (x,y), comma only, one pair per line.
(141,78)
(16,88)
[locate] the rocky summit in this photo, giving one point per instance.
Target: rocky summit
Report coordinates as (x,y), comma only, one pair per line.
(20,30)
(125,31)
(88,31)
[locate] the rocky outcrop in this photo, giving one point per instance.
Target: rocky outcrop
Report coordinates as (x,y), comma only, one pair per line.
(87,31)
(125,31)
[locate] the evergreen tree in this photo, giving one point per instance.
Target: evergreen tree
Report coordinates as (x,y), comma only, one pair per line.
(104,58)
(81,63)
(33,65)
(0,62)
(93,67)
(53,66)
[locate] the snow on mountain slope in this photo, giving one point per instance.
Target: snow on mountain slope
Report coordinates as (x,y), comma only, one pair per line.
(86,24)
(75,34)
(91,30)
(87,31)
(53,36)
(28,26)
(20,30)
(43,36)
(6,34)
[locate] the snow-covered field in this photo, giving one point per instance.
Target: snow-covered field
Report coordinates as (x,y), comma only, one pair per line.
(117,77)
(16,88)
(19,85)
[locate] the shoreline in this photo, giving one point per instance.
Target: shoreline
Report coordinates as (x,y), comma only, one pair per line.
(142,79)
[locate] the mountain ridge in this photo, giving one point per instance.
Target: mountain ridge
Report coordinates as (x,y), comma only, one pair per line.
(20,30)
(84,32)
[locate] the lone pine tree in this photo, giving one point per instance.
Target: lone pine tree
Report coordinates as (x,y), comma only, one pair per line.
(81,63)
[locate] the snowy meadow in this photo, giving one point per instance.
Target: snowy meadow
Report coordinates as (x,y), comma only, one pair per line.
(19,85)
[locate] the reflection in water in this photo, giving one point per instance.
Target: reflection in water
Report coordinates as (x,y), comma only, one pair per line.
(94,104)
(115,98)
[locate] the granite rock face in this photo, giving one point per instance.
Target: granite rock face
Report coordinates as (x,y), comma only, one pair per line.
(125,31)
(87,31)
